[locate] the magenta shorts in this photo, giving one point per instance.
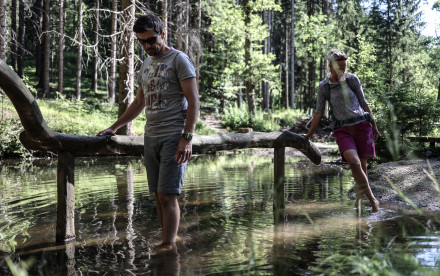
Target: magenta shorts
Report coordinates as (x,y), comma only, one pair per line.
(358,137)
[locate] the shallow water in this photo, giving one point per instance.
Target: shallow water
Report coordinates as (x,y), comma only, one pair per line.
(227,225)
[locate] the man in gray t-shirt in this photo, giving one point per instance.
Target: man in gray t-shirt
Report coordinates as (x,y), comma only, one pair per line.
(168,92)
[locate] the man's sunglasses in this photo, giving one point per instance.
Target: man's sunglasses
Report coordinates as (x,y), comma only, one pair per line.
(150,40)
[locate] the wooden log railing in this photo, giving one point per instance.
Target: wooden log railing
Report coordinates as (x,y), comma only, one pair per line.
(38,136)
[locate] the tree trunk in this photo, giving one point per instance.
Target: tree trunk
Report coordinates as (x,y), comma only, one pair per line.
(266,50)
(292,57)
(311,62)
(389,44)
(94,87)
(325,10)
(21,30)
(179,25)
(170,13)
(38,18)
(438,95)
(61,49)
(164,15)
(46,48)
(13,51)
(199,34)
(250,86)
(186,29)
(3,30)
(286,57)
(126,68)
(269,99)
(79,53)
(113,53)
(264,102)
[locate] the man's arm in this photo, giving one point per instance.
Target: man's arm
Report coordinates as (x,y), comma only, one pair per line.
(191,93)
(132,112)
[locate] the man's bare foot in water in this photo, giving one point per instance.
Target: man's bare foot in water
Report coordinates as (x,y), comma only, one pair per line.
(166,248)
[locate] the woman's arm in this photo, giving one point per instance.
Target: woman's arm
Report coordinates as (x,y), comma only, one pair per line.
(315,122)
(373,122)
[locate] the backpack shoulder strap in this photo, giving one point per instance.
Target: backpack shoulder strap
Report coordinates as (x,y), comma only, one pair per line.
(350,84)
(327,92)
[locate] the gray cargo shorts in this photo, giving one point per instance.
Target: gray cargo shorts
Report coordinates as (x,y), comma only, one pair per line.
(164,174)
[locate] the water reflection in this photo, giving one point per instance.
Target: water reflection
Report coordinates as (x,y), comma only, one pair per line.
(227,220)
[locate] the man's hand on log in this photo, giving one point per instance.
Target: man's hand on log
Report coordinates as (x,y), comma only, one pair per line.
(108,131)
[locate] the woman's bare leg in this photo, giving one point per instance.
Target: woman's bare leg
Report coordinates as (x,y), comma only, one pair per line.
(359,170)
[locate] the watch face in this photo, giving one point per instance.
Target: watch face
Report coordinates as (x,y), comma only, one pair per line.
(187,136)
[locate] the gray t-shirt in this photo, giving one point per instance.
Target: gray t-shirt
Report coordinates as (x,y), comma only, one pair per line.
(165,103)
(345,102)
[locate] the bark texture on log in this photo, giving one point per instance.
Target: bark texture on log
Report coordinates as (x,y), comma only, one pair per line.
(38,136)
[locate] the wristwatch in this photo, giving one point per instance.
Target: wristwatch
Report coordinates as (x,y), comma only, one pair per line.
(187,136)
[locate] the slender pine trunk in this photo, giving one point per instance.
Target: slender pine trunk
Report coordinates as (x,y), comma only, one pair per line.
(79,52)
(113,54)
(61,48)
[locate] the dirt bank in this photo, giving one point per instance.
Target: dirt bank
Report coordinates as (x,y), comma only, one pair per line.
(410,177)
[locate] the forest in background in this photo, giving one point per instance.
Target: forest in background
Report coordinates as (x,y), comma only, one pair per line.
(252,56)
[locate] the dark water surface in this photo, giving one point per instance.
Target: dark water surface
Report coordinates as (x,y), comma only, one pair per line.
(227,222)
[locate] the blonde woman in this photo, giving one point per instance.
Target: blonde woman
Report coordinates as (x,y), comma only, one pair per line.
(355,129)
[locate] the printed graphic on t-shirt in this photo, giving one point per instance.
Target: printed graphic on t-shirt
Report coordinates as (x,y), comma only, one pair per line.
(154,82)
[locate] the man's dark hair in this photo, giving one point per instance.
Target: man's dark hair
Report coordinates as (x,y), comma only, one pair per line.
(148,22)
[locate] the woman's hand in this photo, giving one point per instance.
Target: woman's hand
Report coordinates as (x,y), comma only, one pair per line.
(306,135)
(375,132)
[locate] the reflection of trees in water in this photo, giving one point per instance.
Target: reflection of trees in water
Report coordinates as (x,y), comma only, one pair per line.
(313,183)
(124,220)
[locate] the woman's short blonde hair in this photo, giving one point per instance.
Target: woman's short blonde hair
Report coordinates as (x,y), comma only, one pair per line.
(336,55)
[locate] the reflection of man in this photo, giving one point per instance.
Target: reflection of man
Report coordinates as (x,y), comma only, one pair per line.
(168,92)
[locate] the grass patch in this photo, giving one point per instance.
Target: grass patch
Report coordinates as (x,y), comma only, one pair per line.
(82,118)
(236,117)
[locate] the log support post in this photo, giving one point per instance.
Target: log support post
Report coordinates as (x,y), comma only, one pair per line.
(278,198)
(65,229)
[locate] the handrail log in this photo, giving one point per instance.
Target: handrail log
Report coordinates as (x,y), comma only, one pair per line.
(134,145)
(38,136)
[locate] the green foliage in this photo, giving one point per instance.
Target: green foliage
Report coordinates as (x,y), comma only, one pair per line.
(21,268)
(236,117)
(201,129)
(10,146)
(314,31)
(226,58)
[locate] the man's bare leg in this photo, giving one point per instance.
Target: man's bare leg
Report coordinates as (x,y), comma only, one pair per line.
(169,216)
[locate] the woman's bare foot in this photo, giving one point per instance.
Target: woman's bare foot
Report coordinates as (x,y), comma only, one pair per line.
(375,206)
